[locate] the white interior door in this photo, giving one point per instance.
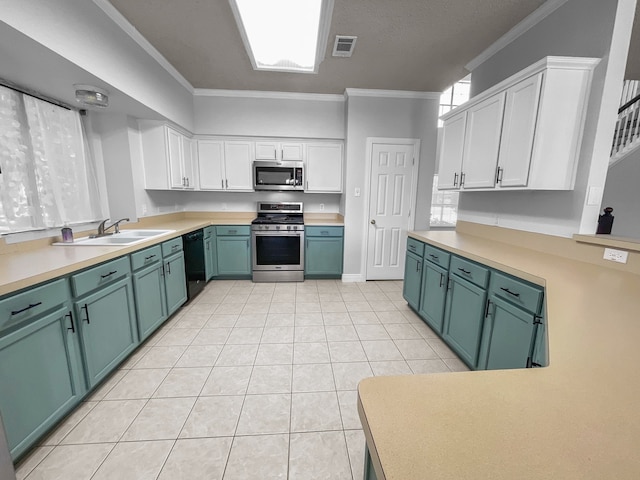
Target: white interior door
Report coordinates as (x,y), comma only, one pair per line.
(391,185)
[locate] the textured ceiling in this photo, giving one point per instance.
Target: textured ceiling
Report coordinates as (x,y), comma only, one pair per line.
(416,45)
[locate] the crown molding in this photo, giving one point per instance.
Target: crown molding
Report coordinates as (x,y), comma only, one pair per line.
(135,35)
(363,92)
(316,97)
(530,21)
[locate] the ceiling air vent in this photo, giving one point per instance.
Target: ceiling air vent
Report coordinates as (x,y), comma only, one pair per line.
(344,46)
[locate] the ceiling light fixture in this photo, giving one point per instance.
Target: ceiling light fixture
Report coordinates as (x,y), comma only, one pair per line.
(91,96)
(284,35)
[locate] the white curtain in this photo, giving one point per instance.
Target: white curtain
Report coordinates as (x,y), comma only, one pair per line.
(48,178)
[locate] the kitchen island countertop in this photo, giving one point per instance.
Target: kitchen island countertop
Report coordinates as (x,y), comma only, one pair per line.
(575,419)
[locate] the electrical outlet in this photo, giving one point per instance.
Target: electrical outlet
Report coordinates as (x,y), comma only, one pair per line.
(613,255)
(144,209)
(321,207)
(224,206)
(356,193)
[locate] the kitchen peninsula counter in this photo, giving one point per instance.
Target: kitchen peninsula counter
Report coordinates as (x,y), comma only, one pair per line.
(575,419)
(22,267)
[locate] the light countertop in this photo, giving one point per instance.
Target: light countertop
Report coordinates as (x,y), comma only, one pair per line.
(578,418)
(23,269)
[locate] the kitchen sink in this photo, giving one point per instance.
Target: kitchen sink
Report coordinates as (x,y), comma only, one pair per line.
(124,238)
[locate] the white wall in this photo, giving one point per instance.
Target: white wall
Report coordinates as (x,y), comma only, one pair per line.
(384,117)
(81,33)
(587,28)
(304,116)
(622,193)
(246,202)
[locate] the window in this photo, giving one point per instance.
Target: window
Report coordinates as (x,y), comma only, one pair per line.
(284,35)
(455,95)
(46,180)
(444,207)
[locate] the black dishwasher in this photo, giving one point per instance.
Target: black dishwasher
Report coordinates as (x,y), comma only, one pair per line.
(194,262)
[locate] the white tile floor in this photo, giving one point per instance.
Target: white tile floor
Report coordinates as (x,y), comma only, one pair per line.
(249,381)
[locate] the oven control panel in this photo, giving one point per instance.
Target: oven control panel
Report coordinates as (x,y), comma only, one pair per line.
(278,227)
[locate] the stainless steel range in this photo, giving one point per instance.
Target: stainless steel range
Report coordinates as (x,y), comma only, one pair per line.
(277,235)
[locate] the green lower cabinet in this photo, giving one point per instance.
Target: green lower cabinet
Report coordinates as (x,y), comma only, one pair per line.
(323,257)
(509,333)
(433,295)
(369,472)
(210,256)
(175,281)
(234,256)
(40,377)
(107,323)
(412,280)
(464,318)
(151,299)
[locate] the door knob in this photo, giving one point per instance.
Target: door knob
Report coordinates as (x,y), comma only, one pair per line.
(373,222)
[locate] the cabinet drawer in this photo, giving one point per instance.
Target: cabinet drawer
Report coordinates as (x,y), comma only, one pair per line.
(517,292)
(99,276)
(323,231)
(415,247)
(470,271)
(437,256)
(31,303)
(233,230)
(145,257)
(172,246)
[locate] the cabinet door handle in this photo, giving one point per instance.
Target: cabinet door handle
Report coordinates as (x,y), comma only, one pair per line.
(226,183)
(106,275)
(509,292)
(455,179)
(72,327)
(85,307)
(499,175)
(222,184)
(168,268)
(149,258)
(417,266)
(486,310)
(307,188)
(441,280)
(464,271)
(462,175)
(31,305)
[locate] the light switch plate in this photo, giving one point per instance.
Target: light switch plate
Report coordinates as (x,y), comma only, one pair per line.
(356,193)
(614,255)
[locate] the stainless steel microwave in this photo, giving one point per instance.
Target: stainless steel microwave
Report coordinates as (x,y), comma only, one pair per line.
(278,176)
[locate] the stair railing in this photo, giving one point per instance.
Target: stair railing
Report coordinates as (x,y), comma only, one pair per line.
(627,130)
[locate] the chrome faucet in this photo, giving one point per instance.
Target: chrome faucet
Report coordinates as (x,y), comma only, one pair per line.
(102,230)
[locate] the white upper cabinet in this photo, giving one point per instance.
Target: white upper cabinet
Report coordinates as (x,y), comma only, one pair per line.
(324,168)
(518,130)
(225,165)
(451,150)
(524,133)
(167,157)
(279,151)
(211,164)
(238,159)
(482,143)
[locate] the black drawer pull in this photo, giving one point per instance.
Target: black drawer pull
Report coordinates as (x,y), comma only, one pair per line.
(509,292)
(435,257)
(72,327)
(233,231)
(174,247)
(412,248)
(85,307)
(324,232)
(464,271)
(149,257)
(106,275)
(31,305)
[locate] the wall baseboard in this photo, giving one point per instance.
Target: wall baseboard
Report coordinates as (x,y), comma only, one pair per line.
(353,277)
